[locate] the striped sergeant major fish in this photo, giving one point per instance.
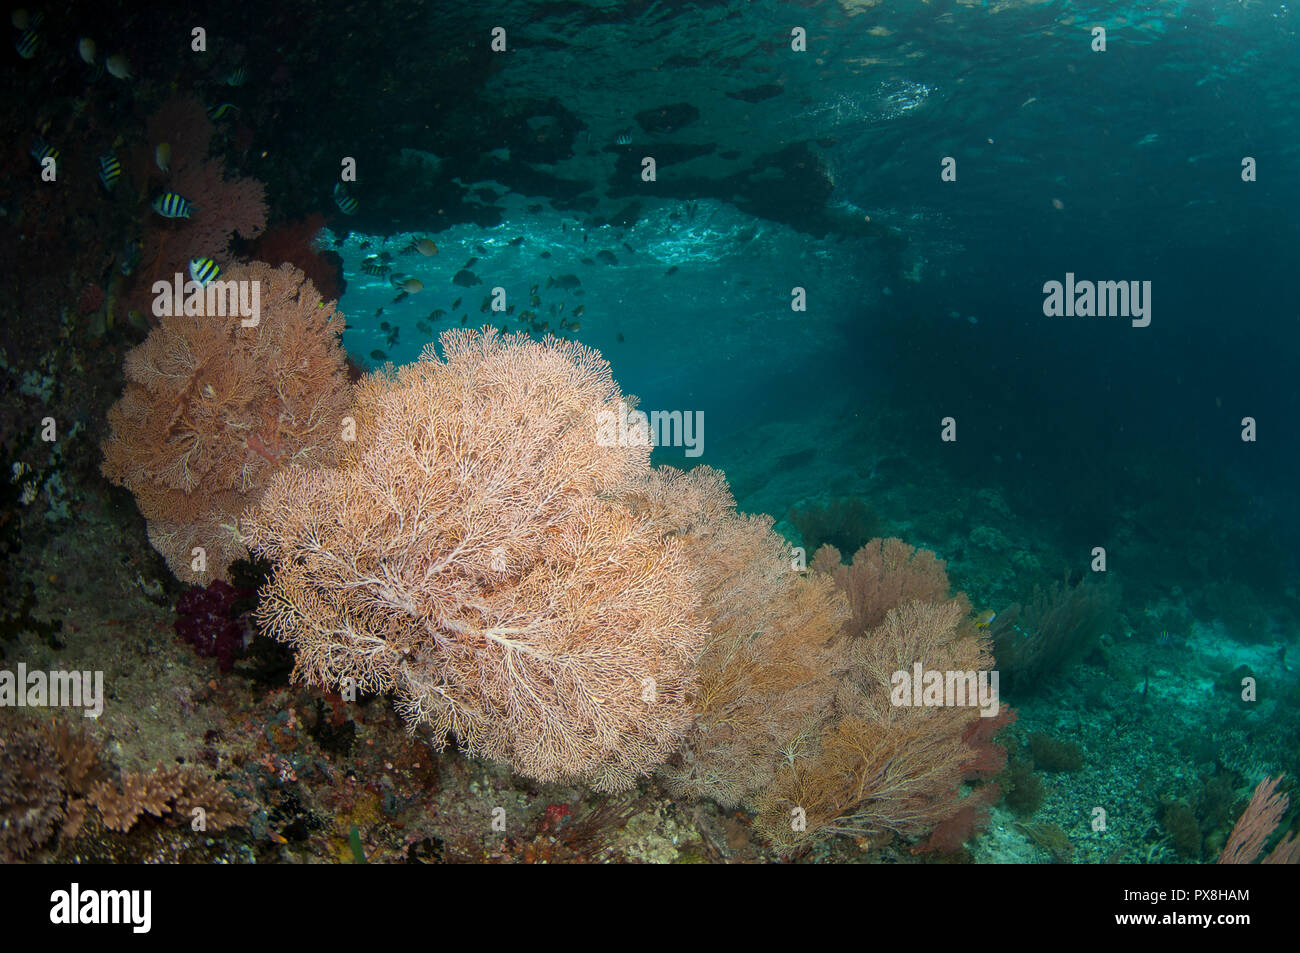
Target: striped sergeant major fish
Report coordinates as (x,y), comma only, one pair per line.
(27,44)
(346,203)
(42,150)
(171,205)
(110,170)
(204,270)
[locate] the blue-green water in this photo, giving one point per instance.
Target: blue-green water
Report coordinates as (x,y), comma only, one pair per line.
(827,232)
(1168,160)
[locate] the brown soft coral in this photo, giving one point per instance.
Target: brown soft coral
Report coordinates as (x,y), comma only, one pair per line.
(31,795)
(45,769)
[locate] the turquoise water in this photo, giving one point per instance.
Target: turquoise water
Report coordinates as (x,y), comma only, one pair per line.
(1012,282)
(824,171)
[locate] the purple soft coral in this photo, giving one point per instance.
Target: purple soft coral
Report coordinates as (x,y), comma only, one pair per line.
(204,619)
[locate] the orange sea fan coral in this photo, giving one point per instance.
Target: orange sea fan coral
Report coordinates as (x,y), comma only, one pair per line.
(795,715)
(212,409)
(474,560)
(885,573)
(881,766)
(1257,824)
(765,676)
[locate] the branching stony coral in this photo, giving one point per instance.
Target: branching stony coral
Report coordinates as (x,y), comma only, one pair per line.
(50,776)
(158,793)
(475,560)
